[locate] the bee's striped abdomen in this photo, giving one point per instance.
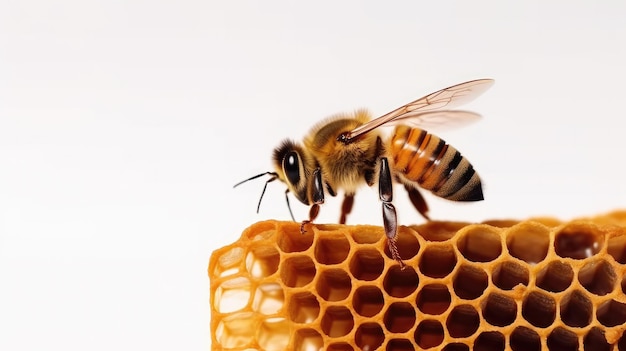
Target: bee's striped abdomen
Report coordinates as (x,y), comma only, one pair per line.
(425,159)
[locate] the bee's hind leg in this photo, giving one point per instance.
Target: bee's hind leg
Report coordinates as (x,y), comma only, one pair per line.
(317,192)
(390,219)
(418,201)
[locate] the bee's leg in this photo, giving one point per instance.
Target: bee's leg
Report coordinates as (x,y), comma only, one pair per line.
(317,197)
(418,201)
(346,208)
(313,212)
(390,220)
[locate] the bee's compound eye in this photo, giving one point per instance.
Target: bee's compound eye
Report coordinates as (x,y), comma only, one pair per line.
(291,166)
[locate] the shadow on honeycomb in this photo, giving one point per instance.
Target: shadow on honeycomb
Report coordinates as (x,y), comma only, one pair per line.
(501,285)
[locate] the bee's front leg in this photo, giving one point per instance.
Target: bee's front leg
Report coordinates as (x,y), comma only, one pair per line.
(346,208)
(390,219)
(316,196)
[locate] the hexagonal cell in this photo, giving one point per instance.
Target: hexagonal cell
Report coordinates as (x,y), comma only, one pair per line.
(307,340)
(408,245)
(291,240)
(555,277)
(273,334)
(229,262)
(367,235)
(463,321)
(455,346)
(399,345)
(597,277)
(234,330)
(562,339)
(333,285)
(297,271)
(369,336)
(400,282)
(399,317)
(492,341)
(368,301)
(616,247)
(340,346)
(525,339)
(437,261)
(367,264)
(331,249)
(528,242)
(499,310)
(578,241)
(576,309)
(303,307)
(611,313)
(262,261)
(327,227)
(480,243)
(260,231)
(596,341)
(433,299)
(470,282)
(429,333)
(438,230)
(539,309)
(509,274)
(268,298)
(337,321)
(232,295)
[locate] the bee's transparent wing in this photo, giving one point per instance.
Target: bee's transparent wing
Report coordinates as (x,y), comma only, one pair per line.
(437,120)
(414,113)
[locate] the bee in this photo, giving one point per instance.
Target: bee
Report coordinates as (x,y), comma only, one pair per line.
(347,151)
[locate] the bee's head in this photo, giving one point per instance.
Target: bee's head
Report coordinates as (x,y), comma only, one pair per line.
(291,167)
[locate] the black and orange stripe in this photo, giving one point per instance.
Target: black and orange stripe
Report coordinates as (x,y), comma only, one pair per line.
(427,160)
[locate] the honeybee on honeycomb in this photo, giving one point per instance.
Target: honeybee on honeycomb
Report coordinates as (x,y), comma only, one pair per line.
(348,150)
(531,285)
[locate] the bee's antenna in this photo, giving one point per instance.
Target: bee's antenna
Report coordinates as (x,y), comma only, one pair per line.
(289,206)
(273,174)
(273,177)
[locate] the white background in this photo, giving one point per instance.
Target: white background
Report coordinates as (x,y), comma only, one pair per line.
(124,125)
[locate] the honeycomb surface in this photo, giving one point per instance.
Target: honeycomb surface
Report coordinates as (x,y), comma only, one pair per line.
(501,285)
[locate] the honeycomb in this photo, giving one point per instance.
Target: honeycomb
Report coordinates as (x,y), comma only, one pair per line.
(537,284)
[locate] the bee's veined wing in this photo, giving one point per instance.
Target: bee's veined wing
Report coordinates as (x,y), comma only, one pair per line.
(414,112)
(437,120)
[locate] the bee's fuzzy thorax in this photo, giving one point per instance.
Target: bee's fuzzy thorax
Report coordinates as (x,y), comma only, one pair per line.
(343,165)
